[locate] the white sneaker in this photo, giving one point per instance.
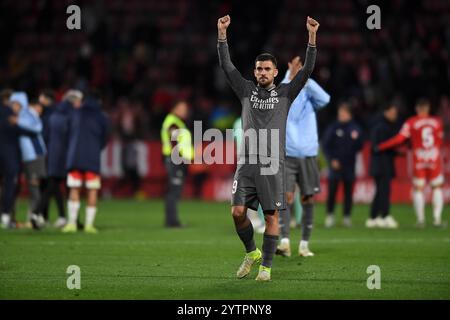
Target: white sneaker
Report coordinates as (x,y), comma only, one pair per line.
(371,223)
(41,221)
(60,222)
(5,220)
(305,252)
(284,248)
(380,222)
(329,221)
(390,222)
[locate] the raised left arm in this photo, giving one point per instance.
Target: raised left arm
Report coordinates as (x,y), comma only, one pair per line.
(302,76)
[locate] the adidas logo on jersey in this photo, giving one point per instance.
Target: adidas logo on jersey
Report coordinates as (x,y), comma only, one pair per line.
(278,204)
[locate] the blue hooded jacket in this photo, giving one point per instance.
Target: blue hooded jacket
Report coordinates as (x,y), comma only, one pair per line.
(31,147)
(301,130)
(88,135)
(58,137)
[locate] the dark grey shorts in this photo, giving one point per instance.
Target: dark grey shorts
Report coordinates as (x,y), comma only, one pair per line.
(251,188)
(35,169)
(304,172)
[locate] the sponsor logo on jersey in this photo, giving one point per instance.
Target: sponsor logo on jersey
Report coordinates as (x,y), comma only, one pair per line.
(264,104)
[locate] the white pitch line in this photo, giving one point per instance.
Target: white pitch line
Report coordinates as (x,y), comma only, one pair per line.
(202,242)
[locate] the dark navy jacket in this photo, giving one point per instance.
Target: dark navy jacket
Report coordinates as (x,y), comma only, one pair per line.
(45,118)
(382,163)
(337,143)
(88,134)
(10,157)
(58,138)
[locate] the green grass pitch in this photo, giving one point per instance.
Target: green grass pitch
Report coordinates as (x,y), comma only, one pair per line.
(134,257)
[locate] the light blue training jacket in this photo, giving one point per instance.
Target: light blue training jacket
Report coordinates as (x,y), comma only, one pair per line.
(30,146)
(301,131)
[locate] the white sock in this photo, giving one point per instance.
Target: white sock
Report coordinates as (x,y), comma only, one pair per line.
(90,216)
(438,204)
(73,207)
(303,244)
(419,205)
(285,241)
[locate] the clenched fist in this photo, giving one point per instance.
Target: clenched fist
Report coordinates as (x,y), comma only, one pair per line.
(223,23)
(312,25)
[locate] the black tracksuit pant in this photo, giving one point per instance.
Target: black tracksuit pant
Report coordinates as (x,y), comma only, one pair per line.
(333,185)
(176,175)
(51,187)
(381,202)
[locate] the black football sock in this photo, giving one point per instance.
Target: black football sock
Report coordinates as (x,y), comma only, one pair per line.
(269,247)
(246,236)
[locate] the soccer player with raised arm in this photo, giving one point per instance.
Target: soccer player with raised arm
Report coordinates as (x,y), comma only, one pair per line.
(259,177)
(425,133)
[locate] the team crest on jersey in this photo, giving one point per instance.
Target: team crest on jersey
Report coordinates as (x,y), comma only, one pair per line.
(273,93)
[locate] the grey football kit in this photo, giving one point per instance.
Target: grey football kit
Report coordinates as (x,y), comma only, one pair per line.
(260,174)
(304,172)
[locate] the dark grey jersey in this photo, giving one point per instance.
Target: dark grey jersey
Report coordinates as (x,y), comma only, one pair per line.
(264,111)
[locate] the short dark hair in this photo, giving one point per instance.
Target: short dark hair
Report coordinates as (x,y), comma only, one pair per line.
(5,94)
(423,102)
(266,57)
(390,104)
(49,94)
(33,101)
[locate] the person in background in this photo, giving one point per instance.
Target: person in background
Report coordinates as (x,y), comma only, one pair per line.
(425,133)
(33,152)
(88,134)
(47,101)
(302,148)
(58,137)
(382,169)
(174,133)
(341,142)
(10,157)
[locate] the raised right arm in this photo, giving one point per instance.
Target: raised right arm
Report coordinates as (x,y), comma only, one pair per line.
(234,77)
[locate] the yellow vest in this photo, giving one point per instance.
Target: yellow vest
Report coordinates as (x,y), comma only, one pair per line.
(184,139)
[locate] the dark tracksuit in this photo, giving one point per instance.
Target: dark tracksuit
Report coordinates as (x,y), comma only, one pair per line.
(44,183)
(10,158)
(56,135)
(88,134)
(338,144)
(382,167)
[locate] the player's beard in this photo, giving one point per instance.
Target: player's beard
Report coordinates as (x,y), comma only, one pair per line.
(264,82)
